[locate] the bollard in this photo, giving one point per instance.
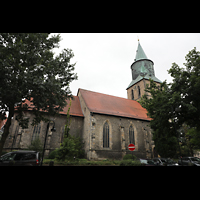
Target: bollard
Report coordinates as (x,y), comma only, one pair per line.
(51,163)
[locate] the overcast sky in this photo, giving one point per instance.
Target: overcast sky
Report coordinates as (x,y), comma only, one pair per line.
(103,60)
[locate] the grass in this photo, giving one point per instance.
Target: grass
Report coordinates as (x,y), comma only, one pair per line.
(85,162)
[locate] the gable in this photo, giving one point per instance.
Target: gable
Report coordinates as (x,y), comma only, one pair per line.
(111,105)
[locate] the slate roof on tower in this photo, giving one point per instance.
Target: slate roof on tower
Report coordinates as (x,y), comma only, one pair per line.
(111,105)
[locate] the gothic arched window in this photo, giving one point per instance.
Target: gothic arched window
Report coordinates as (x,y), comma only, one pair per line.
(132,94)
(15,135)
(36,132)
(139,91)
(106,135)
(62,134)
(131,135)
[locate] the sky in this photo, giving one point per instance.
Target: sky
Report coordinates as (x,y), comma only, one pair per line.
(103,60)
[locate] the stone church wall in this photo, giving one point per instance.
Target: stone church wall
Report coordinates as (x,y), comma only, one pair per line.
(21,138)
(142,84)
(86,134)
(90,129)
(118,137)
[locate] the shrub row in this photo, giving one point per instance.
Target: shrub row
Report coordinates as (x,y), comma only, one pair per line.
(127,161)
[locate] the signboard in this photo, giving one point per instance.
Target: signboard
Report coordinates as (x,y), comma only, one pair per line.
(131,147)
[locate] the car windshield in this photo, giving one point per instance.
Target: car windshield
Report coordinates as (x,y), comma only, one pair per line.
(195,159)
(8,157)
(150,162)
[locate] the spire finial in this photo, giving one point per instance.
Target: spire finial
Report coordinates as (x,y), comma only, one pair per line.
(138,38)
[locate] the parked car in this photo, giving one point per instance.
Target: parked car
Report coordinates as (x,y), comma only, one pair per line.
(189,161)
(164,162)
(20,158)
(147,162)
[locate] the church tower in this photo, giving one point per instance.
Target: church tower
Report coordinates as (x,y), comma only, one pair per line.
(142,70)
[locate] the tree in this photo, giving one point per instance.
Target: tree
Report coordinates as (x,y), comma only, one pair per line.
(187,82)
(176,104)
(164,126)
(29,70)
(190,139)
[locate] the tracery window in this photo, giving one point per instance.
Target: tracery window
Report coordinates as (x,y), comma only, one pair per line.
(131,135)
(36,132)
(15,135)
(62,134)
(132,94)
(106,135)
(139,91)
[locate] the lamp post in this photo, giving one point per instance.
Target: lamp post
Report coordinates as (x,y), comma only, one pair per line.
(177,110)
(53,130)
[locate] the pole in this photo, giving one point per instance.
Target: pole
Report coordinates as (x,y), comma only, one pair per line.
(44,143)
(132,155)
(176,133)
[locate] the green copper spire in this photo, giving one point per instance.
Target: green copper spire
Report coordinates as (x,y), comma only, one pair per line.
(140,53)
(142,67)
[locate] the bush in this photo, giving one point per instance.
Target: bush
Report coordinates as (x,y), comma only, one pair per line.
(129,156)
(36,145)
(130,163)
(53,154)
(70,148)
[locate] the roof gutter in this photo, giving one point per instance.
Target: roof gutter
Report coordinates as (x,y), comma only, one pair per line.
(137,118)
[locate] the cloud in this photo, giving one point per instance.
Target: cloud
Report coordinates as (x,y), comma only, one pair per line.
(104,60)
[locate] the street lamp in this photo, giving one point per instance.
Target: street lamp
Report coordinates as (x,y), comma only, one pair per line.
(53,130)
(174,115)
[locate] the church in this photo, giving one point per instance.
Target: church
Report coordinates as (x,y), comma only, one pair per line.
(106,124)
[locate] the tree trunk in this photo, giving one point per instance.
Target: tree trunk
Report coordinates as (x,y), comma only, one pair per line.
(190,149)
(6,128)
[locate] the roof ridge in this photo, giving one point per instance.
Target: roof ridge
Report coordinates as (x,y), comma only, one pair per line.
(106,94)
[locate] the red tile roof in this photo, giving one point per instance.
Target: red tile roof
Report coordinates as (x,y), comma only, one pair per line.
(3,122)
(111,105)
(75,109)
(104,104)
